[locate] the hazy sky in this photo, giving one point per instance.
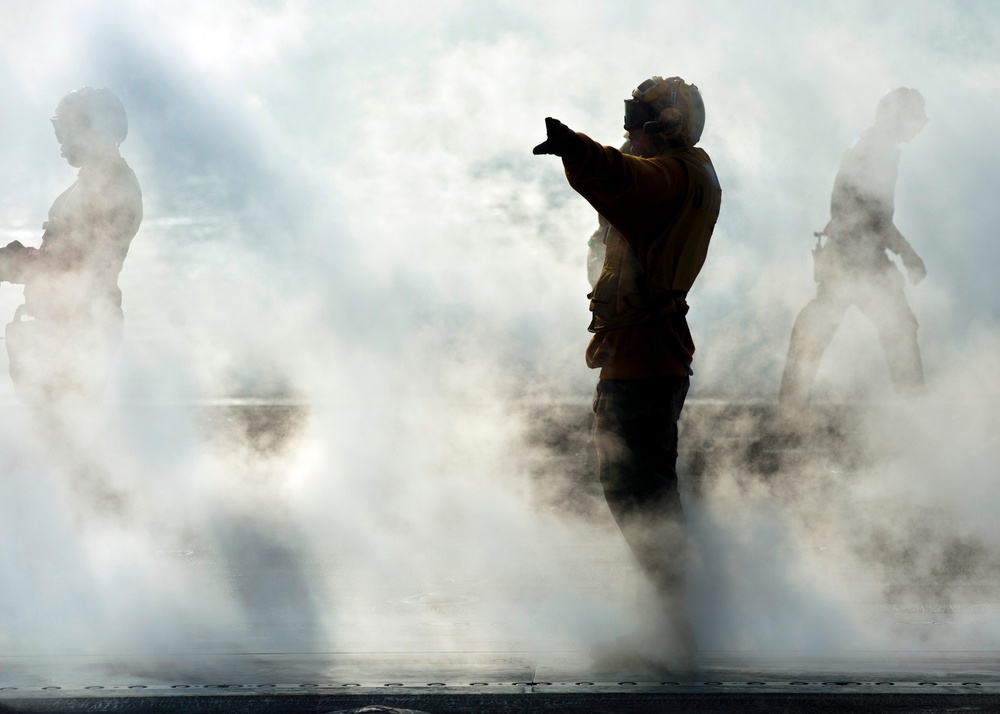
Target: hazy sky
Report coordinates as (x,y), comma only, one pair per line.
(371,161)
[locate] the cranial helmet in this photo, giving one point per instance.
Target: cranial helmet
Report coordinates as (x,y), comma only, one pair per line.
(97,110)
(667,106)
(901,105)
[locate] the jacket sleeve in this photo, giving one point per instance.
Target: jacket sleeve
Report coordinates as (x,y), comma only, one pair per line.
(897,243)
(627,190)
(66,253)
(96,233)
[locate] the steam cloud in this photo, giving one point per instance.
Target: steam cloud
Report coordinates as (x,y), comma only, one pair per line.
(344,218)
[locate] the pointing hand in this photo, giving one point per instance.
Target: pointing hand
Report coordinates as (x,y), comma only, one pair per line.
(561,141)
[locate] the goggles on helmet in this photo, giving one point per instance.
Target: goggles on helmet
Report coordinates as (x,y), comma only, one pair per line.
(637,113)
(66,125)
(62,131)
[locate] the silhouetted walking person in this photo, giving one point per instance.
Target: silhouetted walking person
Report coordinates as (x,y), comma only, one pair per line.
(852,267)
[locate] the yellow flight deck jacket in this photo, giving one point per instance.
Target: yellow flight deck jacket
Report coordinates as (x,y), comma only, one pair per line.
(662,212)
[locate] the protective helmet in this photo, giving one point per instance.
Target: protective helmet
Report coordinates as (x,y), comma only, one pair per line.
(901,105)
(667,106)
(98,110)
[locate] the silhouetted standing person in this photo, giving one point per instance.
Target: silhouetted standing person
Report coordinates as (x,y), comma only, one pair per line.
(62,340)
(661,204)
(853,268)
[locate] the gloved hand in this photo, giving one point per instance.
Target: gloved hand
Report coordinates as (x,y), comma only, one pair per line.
(561,141)
(6,253)
(915,269)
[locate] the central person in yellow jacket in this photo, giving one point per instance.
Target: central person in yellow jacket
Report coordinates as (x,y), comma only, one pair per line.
(661,202)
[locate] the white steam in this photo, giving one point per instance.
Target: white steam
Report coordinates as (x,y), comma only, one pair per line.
(344,218)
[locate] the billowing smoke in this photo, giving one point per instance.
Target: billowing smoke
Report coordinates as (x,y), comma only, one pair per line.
(344,225)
